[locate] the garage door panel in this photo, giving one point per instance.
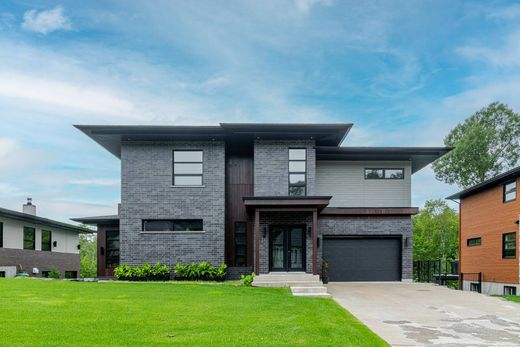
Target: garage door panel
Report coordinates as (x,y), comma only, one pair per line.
(363,259)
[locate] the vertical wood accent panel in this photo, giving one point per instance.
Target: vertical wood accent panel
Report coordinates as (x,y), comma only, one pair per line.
(314,241)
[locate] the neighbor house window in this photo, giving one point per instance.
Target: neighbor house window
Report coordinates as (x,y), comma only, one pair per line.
(509,245)
(172,225)
(384,174)
(240,243)
(509,290)
(112,250)
(71,274)
(45,274)
(474,287)
(46,240)
(476,241)
(2,274)
(29,238)
(297,171)
(1,235)
(187,168)
(509,191)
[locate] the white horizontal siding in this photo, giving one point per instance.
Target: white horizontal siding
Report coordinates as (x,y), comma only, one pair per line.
(345,182)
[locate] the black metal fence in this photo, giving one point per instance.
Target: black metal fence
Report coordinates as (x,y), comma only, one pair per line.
(436,271)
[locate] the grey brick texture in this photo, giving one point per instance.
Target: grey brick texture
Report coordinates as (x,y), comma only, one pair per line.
(44,261)
(372,225)
(271,166)
(147,193)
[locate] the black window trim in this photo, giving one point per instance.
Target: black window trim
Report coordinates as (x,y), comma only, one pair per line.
(33,238)
(289,172)
(504,191)
(143,225)
(1,235)
(474,239)
(187,162)
(509,288)
(244,245)
(50,240)
(504,235)
(384,173)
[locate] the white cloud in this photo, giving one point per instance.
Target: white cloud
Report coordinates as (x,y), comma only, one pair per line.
(304,6)
(96,182)
(44,22)
(507,55)
(508,12)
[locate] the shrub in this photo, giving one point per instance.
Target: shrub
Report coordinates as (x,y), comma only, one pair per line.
(54,273)
(200,271)
(146,272)
(247,280)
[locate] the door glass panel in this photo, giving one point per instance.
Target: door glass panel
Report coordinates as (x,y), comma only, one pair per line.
(112,248)
(277,239)
(296,248)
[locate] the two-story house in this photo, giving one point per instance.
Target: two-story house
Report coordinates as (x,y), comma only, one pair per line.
(36,245)
(262,198)
(488,235)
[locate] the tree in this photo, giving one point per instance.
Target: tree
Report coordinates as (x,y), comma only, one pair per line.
(436,232)
(88,255)
(485,145)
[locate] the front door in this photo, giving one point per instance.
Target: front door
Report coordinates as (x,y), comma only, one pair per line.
(287,248)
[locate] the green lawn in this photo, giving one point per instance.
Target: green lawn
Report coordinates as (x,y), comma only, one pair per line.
(58,313)
(512,298)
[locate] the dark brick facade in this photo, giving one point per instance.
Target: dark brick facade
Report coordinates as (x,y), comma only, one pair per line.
(26,260)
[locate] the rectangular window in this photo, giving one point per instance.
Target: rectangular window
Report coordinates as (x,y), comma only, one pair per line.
(384,174)
(509,290)
(172,225)
(509,246)
(71,274)
(297,171)
(474,242)
(187,168)
(45,274)
(1,235)
(474,287)
(2,274)
(112,249)
(240,243)
(46,240)
(509,191)
(29,238)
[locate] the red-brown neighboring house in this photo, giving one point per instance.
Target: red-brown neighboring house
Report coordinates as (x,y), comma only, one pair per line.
(488,236)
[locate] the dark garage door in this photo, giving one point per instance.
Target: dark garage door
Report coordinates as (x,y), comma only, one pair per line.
(363,259)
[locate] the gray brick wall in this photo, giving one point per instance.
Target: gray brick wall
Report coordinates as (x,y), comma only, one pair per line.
(371,225)
(44,261)
(147,193)
(271,166)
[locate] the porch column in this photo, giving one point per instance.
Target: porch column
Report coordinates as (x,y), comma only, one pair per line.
(257,241)
(314,242)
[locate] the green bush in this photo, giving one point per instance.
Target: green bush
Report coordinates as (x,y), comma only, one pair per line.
(201,271)
(147,272)
(247,280)
(54,273)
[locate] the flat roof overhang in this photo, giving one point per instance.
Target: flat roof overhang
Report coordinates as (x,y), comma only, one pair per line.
(418,156)
(369,211)
(96,220)
(286,202)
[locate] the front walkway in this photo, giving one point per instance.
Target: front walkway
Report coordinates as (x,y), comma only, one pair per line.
(417,314)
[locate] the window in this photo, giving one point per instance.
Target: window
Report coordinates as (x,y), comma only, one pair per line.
(474,287)
(474,242)
(2,274)
(46,240)
(240,243)
(297,171)
(172,225)
(1,235)
(509,191)
(112,250)
(71,274)
(187,168)
(509,246)
(384,174)
(28,238)
(508,290)
(45,274)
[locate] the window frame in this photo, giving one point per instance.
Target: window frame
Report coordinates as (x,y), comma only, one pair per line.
(384,173)
(26,229)
(244,245)
(171,228)
(509,289)
(468,241)
(289,172)
(1,235)
(201,175)
(504,242)
(50,241)
(504,199)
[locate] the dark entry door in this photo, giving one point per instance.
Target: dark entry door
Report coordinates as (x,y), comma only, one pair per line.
(287,248)
(108,251)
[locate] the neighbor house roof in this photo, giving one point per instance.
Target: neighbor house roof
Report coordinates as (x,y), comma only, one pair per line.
(29,218)
(418,156)
(502,178)
(111,136)
(95,220)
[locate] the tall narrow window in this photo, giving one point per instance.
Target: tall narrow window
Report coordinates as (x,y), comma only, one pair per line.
(187,168)
(112,249)
(1,235)
(509,191)
(509,246)
(240,243)
(46,240)
(29,238)
(297,171)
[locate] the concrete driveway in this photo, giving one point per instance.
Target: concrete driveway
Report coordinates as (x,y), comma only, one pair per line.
(419,314)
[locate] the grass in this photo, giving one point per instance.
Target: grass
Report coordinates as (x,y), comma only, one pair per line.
(57,313)
(511,298)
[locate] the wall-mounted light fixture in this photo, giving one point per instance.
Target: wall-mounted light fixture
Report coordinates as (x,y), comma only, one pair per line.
(55,244)
(318,242)
(407,241)
(79,246)
(309,231)
(264,231)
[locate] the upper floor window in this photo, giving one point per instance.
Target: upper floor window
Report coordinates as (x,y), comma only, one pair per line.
(1,235)
(509,191)
(476,241)
(384,174)
(29,238)
(297,171)
(172,225)
(187,168)
(509,246)
(46,240)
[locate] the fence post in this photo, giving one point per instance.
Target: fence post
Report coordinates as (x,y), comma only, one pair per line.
(480,282)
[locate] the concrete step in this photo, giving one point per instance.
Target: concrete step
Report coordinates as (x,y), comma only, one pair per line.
(309,290)
(287,279)
(318,295)
(280,284)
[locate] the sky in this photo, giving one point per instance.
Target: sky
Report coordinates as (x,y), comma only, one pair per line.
(403,72)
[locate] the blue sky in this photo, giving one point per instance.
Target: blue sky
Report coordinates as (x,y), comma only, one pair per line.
(403,72)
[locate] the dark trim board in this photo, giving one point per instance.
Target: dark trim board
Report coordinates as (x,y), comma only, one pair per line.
(353,211)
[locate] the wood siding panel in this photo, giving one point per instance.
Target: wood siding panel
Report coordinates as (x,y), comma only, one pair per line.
(484,215)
